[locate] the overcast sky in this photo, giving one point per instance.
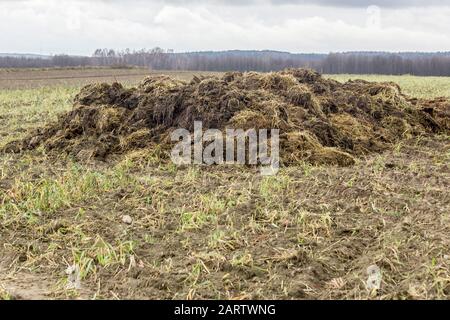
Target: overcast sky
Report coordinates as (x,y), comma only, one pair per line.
(81,26)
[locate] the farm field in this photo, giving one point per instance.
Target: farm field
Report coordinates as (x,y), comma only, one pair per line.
(419,87)
(138,227)
(76,77)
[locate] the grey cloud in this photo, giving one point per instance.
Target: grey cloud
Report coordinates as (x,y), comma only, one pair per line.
(331,3)
(366,3)
(62,26)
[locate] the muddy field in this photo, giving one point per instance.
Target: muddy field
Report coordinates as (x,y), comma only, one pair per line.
(92,208)
(37,78)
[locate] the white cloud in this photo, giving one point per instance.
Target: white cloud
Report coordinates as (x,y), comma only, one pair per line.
(78,27)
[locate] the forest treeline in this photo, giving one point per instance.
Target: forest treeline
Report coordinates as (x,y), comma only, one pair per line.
(423,64)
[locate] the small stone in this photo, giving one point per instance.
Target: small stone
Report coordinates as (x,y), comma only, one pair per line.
(127,219)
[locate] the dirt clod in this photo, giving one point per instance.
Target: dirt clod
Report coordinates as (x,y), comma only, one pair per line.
(127,219)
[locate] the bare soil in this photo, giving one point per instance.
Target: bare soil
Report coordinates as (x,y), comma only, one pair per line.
(308,233)
(226,232)
(13,79)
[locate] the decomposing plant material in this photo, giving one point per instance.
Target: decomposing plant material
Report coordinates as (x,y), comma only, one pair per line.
(321,121)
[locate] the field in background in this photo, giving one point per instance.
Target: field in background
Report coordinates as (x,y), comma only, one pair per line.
(418,87)
(216,232)
(76,77)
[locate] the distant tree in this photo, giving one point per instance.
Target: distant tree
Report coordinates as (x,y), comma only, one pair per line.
(424,64)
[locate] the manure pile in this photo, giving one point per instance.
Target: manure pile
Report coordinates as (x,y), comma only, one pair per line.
(321,121)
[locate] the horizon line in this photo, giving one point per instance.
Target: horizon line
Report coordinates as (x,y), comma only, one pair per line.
(230,50)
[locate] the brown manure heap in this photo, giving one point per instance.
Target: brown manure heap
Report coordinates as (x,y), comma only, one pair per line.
(321,121)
